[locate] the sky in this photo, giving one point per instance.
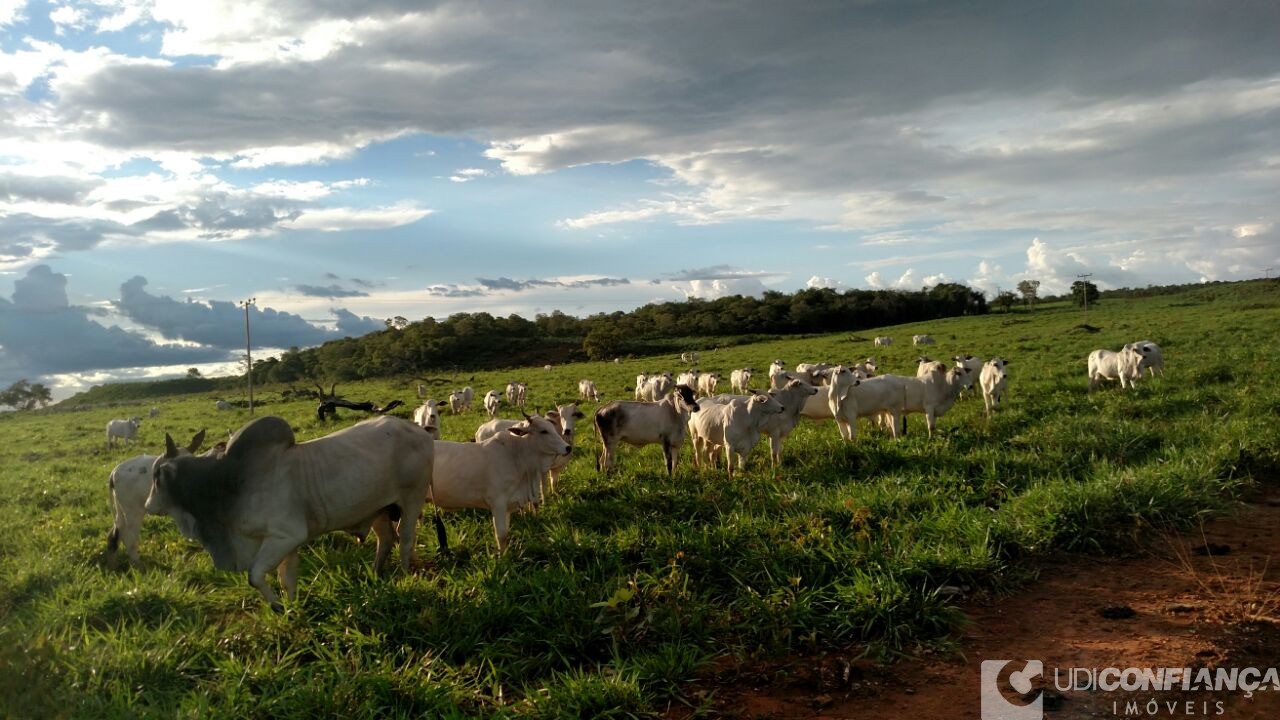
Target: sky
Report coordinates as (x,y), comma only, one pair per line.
(345,162)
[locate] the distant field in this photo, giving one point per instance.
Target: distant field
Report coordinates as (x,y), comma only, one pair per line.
(620,589)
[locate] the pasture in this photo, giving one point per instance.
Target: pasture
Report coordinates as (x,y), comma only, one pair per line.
(620,589)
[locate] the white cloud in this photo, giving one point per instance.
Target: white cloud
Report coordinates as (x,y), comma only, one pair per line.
(347,218)
(822,282)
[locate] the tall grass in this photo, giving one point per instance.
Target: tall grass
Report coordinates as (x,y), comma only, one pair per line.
(615,593)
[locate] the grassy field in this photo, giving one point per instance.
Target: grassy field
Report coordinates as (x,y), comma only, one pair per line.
(620,589)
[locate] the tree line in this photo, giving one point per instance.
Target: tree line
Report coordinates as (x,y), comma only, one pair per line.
(475,341)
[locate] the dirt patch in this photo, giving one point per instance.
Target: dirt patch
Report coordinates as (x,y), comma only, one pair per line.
(1177,605)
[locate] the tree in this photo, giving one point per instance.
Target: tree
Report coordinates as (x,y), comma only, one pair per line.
(25,395)
(603,342)
(1029,289)
(1005,300)
(193,372)
(397,323)
(1081,289)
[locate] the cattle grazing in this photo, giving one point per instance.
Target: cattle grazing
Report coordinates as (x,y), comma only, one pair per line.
(1152,357)
(130,483)
(883,341)
(740,380)
(547,368)
(1125,366)
(922,340)
(993,381)
(688,378)
(511,393)
(126,430)
(222,405)
(689,358)
(267,495)
(587,391)
(707,383)
(455,402)
(646,423)
(155,412)
(564,417)
(468,396)
(427,416)
(734,426)
(521,395)
(492,400)
(501,474)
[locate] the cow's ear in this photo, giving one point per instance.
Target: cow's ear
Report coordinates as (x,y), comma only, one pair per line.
(1006,362)
(579,414)
(518,431)
(196,441)
(170,449)
(441,403)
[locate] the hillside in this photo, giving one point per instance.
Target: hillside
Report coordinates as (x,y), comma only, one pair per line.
(622,589)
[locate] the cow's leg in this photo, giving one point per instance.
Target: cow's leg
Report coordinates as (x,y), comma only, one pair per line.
(130,533)
(775,450)
(501,525)
(442,536)
(270,555)
(386,535)
(668,453)
(288,573)
(931,422)
(410,512)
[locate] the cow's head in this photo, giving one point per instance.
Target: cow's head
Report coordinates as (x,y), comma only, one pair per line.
(685,396)
(542,435)
(766,404)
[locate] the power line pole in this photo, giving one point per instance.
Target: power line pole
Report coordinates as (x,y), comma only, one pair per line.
(248,350)
(1084,288)
(1268,270)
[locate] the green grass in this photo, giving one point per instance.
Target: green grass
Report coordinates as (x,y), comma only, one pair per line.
(615,594)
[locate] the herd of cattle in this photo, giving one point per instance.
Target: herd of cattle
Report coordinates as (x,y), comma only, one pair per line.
(253,501)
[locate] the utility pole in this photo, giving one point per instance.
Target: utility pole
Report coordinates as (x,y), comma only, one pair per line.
(1267,271)
(248,350)
(1085,289)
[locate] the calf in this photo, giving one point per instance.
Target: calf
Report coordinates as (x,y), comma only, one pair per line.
(646,423)
(740,380)
(867,368)
(501,474)
(734,425)
(1152,357)
(492,400)
(688,378)
(587,391)
(707,383)
(883,341)
(993,381)
(974,367)
(427,416)
(126,430)
(130,483)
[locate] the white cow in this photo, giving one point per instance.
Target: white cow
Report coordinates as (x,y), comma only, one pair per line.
(455,402)
(883,341)
(973,365)
(1153,357)
(777,427)
(933,394)
(155,412)
(522,395)
(812,373)
(427,416)
(656,387)
(867,368)
(126,430)
(707,383)
(468,396)
(222,405)
(689,358)
(587,391)
(511,393)
(922,340)
(994,380)
(1125,366)
(267,495)
(689,378)
(734,426)
(640,381)
(492,400)
(646,423)
(740,380)
(547,368)
(501,474)
(422,390)
(564,417)
(130,483)
(777,367)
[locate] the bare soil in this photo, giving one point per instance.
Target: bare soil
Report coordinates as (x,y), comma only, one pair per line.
(1207,599)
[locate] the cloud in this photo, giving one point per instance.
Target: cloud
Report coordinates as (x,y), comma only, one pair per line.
(345,218)
(220,324)
(329,291)
(723,272)
(822,282)
(42,334)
